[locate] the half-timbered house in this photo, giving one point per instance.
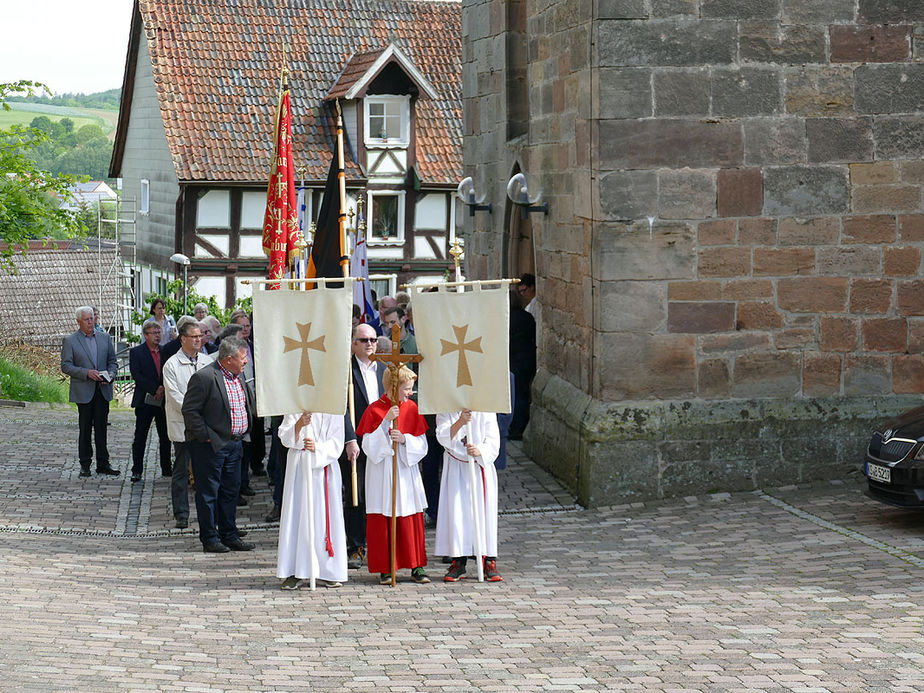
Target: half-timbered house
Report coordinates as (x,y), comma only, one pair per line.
(195,130)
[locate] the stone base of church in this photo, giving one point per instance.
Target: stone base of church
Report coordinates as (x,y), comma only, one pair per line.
(619,452)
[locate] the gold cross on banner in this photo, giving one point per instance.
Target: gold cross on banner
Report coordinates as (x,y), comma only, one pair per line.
(463,376)
(304,372)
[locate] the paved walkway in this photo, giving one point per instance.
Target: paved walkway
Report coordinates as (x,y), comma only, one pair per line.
(795,589)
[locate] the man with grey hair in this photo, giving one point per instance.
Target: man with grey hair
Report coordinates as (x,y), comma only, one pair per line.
(200,310)
(218,411)
(88,357)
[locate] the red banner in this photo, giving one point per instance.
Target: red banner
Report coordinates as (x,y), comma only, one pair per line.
(280,223)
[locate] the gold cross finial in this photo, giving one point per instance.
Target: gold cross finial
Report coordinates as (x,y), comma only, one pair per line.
(304,372)
(463,375)
(456,251)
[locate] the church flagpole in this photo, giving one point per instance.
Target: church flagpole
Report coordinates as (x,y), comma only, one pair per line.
(477,504)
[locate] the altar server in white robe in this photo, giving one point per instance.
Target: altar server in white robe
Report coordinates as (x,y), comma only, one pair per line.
(455,523)
(315,441)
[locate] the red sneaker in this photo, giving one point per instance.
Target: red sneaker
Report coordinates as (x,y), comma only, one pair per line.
(456,571)
(490,571)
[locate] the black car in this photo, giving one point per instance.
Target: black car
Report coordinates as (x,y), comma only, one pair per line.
(895,461)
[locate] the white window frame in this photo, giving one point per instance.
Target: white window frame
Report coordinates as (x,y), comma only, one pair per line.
(371,238)
(392,280)
(145,202)
(405,105)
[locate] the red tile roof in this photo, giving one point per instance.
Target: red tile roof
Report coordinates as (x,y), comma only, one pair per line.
(217,63)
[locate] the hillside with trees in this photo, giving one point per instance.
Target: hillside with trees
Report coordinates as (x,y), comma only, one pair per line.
(105,100)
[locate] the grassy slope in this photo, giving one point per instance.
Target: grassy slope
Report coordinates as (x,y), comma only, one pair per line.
(23,113)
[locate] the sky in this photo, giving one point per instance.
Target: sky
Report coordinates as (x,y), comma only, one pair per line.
(71,46)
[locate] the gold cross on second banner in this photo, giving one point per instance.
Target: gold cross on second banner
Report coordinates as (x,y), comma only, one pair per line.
(304,372)
(463,376)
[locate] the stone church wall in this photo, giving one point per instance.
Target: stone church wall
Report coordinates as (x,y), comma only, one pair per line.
(730,271)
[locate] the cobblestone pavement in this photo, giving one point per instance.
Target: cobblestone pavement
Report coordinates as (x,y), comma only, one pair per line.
(796,589)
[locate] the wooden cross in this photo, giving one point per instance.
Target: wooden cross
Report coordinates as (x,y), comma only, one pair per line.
(395,360)
(304,372)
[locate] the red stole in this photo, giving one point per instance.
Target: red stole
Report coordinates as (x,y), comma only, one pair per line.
(409,422)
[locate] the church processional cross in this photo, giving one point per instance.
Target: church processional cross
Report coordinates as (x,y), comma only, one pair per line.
(463,375)
(304,372)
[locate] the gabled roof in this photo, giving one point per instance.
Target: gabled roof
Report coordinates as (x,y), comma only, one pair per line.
(217,63)
(365,67)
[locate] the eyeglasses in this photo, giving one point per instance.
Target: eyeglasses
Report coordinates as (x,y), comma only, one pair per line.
(367,340)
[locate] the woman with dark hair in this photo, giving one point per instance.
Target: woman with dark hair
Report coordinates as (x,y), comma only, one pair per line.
(166,323)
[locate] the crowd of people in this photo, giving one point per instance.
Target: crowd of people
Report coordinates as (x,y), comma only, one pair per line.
(193,379)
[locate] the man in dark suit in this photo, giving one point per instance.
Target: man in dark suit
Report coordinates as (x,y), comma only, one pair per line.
(218,412)
(88,357)
(145,362)
(367,387)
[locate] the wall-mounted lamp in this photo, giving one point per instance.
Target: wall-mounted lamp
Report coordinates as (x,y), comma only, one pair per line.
(518,192)
(181,259)
(466,193)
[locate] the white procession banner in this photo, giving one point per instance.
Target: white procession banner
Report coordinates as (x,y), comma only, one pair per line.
(464,339)
(301,348)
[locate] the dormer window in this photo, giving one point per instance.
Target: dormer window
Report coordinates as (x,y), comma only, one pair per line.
(387,121)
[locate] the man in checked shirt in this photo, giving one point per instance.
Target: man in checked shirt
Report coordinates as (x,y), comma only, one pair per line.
(218,412)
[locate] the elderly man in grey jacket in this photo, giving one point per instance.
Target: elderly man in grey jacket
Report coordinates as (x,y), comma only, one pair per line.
(88,357)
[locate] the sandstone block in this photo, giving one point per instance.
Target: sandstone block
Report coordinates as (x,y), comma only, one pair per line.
(874,173)
(739,192)
(667,42)
(876,228)
(805,190)
(627,195)
(733,343)
(775,262)
(764,41)
(916,335)
(870,296)
(795,338)
(885,334)
(724,262)
(625,93)
(813,295)
(815,91)
(758,316)
(686,194)
(622,9)
(818,11)
(774,141)
(899,137)
(682,92)
(700,318)
(890,11)
(912,172)
(901,262)
(713,378)
(849,261)
(634,366)
(870,44)
(838,334)
(669,143)
(630,306)
(832,140)
(885,198)
(892,88)
(911,297)
(673,8)
(716,232)
(748,91)
(821,375)
(694,291)
(628,252)
(740,9)
(911,227)
(908,374)
(767,375)
(747,289)
(867,375)
(818,231)
(757,231)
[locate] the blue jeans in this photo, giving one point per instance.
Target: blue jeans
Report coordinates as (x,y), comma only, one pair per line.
(218,481)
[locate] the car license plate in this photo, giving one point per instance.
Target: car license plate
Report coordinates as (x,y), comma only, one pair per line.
(877,473)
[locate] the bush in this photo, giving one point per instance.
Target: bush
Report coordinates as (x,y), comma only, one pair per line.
(173,303)
(22,384)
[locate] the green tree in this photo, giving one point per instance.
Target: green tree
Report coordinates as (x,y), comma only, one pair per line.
(28,209)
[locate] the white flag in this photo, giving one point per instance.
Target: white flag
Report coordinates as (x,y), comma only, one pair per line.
(464,340)
(302,350)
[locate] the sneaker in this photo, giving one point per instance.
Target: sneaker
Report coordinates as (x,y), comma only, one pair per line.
(384,578)
(456,571)
(490,571)
(291,583)
(331,583)
(419,575)
(356,559)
